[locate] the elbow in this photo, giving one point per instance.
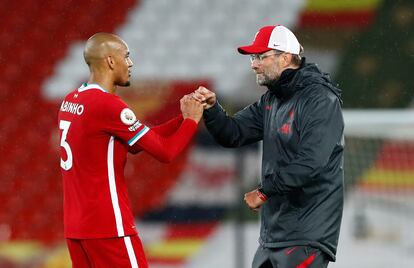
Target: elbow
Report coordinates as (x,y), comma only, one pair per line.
(166,158)
(134,149)
(134,152)
(227,143)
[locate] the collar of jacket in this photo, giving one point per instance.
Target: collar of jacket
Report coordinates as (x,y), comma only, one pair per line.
(284,87)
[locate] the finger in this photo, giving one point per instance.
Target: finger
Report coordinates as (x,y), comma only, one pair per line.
(198,91)
(202,90)
(198,96)
(208,95)
(190,99)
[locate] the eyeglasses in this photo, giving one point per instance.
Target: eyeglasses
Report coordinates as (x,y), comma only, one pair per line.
(261,57)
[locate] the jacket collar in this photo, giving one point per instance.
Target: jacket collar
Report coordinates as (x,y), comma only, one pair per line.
(284,87)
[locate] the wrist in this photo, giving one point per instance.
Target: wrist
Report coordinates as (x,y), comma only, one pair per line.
(191,119)
(211,111)
(210,105)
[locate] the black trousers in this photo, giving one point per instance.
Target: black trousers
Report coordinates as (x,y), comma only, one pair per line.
(291,257)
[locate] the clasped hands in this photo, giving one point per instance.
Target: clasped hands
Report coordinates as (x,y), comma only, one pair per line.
(193,104)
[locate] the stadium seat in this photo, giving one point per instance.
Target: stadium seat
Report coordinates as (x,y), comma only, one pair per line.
(30,187)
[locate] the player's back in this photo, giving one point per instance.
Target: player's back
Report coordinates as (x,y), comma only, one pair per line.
(81,112)
(92,161)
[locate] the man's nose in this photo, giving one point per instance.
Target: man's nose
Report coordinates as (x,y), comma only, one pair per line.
(254,64)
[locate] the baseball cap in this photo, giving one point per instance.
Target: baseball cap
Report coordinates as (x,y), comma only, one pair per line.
(272,37)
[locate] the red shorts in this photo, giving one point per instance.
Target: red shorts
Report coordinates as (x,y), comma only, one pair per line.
(107,252)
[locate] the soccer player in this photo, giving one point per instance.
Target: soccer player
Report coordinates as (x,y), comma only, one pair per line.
(97,131)
(299,120)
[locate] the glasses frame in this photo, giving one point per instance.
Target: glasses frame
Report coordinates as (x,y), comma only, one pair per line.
(261,57)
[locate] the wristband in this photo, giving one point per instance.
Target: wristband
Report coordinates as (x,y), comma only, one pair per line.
(261,195)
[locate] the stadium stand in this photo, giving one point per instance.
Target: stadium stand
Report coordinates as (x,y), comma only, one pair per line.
(376,67)
(30,194)
(179,40)
(181,44)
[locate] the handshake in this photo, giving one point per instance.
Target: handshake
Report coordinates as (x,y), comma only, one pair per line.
(193,104)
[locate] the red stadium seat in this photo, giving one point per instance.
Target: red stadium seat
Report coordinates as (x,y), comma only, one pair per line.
(31,187)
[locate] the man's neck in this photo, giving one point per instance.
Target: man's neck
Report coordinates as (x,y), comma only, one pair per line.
(291,66)
(104,81)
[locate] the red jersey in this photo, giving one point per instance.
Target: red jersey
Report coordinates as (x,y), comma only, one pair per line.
(97,131)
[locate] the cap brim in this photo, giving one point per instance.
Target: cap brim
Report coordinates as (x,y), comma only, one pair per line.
(246,50)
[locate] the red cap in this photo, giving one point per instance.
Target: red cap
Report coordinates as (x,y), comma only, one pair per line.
(272,37)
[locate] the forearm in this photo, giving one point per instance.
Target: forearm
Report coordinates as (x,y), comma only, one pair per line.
(231,131)
(166,149)
(220,126)
(168,127)
(286,179)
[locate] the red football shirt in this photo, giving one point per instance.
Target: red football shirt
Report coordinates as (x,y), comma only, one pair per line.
(97,131)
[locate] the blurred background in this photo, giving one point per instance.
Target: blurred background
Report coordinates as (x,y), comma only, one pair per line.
(190,213)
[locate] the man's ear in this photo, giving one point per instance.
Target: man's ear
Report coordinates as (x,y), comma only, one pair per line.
(287,59)
(110,61)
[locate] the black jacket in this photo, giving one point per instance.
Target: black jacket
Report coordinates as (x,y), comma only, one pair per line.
(300,122)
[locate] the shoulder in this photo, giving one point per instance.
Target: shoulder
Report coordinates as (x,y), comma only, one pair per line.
(111,98)
(323,103)
(121,110)
(70,95)
(115,108)
(265,99)
(317,85)
(98,103)
(319,99)
(108,101)
(321,91)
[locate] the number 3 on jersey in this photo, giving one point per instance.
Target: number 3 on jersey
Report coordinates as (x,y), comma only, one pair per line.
(66,165)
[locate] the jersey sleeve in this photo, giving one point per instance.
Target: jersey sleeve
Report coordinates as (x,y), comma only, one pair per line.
(120,121)
(169,127)
(166,129)
(165,149)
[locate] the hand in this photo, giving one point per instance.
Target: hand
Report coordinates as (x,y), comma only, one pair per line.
(253,200)
(205,96)
(191,108)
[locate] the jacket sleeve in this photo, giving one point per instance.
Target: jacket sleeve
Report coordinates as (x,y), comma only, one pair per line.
(243,128)
(321,130)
